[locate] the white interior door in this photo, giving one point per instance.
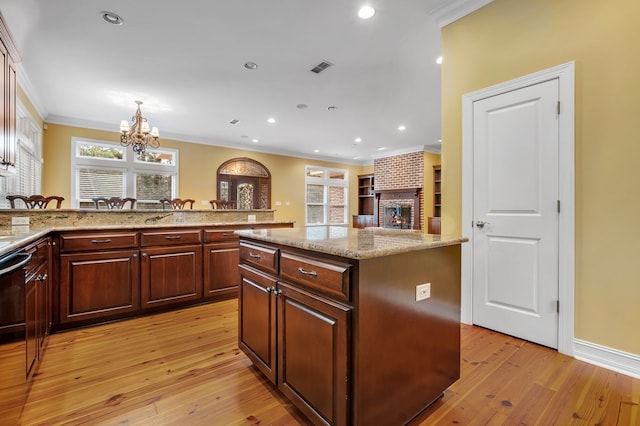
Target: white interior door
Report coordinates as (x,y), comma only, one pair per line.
(515,213)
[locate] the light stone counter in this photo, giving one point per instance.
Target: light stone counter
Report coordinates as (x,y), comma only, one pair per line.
(42,222)
(352,243)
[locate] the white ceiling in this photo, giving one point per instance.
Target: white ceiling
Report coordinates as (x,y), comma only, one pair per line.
(185,59)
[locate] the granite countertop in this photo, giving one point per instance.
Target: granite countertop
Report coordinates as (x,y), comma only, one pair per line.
(12,238)
(352,243)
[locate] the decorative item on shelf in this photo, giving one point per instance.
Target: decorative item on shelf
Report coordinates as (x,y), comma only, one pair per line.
(177,203)
(138,134)
(35,201)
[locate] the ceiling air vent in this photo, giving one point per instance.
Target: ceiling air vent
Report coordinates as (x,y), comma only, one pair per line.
(321,67)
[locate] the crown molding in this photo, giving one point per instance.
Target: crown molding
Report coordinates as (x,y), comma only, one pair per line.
(450,11)
(25,84)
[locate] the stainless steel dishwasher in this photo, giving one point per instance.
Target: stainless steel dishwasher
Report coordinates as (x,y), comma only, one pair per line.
(13,348)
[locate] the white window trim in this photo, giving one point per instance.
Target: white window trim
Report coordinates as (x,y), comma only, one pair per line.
(327,182)
(128,165)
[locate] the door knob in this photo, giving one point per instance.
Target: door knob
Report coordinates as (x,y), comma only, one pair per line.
(481,224)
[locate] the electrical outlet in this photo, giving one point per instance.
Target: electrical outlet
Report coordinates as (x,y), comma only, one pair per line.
(20,220)
(423,291)
(251,218)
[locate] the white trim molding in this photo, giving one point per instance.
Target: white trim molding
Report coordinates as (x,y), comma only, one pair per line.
(393,153)
(449,11)
(565,74)
(611,359)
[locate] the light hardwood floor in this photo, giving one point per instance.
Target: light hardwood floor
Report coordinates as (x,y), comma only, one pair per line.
(184,368)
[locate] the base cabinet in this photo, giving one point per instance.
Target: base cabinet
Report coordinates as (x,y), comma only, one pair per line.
(170,275)
(297,336)
(99,285)
(349,336)
(221,258)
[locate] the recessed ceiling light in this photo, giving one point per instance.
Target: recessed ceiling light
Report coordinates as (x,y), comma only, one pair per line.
(112,18)
(402,127)
(439,60)
(357,140)
(382,148)
(251,65)
(356,157)
(316,150)
(255,140)
(271,120)
(366,12)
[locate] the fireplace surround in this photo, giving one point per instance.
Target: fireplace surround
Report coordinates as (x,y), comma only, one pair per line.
(403,203)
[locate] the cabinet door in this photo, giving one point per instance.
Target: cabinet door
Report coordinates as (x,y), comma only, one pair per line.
(313,354)
(31,323)
(43,304)
(221,276)
(170,275)
(257,319)
(99,285)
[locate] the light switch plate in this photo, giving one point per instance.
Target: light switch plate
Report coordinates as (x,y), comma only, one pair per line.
(20,220)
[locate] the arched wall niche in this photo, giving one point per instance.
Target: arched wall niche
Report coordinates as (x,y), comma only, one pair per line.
(245,181)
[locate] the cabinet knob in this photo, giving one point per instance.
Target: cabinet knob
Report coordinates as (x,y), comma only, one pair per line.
(278,292)
(135,255)
(144,254)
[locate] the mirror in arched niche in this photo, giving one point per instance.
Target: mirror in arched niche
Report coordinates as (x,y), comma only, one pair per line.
(245,181)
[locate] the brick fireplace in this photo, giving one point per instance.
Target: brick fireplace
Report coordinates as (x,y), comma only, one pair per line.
(399,182)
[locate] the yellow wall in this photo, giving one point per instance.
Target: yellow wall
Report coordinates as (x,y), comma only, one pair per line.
(511,38)
(197,173)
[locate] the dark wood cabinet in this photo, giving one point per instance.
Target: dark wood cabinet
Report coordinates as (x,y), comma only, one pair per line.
(170,275)
(8,91)
(367,216)
(313,354)
(31,324)
(294,326)
(257,319)
(352,343)
(99,285)
(221,258)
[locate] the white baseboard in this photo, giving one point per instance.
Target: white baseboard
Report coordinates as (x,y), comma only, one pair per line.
(611,359)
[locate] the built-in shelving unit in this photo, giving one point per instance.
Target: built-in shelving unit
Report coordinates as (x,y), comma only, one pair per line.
(366,206)
(433,225)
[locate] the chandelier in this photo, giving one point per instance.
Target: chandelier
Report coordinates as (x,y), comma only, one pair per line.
(138,134)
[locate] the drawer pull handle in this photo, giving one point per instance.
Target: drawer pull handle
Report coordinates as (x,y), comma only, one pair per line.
(172,237)
(255,256)
(226,234)
(303,271)
(101,241)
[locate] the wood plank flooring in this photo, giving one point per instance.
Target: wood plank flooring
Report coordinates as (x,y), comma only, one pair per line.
(184,368)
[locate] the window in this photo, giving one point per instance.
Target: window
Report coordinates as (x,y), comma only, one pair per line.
(28,179)
(103,169)
(326,195)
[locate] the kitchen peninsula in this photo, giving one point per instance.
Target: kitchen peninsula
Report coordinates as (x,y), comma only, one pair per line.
(354,326)
(74,268)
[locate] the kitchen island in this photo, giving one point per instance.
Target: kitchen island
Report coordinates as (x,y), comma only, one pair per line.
(353,326)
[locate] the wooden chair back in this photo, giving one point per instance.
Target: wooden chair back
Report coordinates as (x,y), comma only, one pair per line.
(177,203)
(35,201)
(115,202)
(221,204)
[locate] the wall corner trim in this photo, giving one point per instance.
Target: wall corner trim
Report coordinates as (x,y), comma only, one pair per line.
(450,11)
(611,359)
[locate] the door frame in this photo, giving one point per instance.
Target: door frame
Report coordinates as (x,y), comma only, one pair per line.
(565,73)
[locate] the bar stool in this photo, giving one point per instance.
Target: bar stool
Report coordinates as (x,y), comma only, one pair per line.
(222,204)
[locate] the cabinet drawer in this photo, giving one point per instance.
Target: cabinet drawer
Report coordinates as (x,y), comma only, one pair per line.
(218,235)
(98,241)
(265,258)
(328,277)
(166,238)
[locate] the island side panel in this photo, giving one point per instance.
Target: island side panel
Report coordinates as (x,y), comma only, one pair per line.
(406,352)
